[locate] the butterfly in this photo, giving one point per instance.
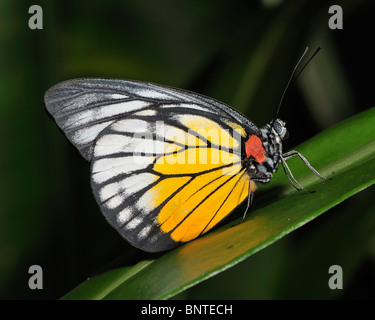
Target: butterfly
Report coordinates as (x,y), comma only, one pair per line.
(167,165)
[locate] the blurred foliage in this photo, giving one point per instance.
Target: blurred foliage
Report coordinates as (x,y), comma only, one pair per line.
(241,54)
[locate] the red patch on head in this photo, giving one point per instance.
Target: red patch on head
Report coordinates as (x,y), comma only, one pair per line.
(254,148)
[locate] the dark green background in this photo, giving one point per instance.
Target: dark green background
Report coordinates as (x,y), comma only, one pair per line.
(240,52)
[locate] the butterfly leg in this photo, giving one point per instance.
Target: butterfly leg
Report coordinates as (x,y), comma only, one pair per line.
(249,202)
(293,153)
(291,178)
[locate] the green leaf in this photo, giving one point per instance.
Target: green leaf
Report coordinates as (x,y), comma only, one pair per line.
(345,152)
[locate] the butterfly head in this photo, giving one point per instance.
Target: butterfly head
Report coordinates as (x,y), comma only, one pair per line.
(279,129)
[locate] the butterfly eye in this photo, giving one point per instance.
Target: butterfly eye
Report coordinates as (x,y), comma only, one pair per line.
(286,135)
(279,127)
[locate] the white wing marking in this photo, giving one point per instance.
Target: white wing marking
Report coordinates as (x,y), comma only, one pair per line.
(87,116)
(107,168)
(128,186)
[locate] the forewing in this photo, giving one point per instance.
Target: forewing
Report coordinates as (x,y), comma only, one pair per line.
(82,108)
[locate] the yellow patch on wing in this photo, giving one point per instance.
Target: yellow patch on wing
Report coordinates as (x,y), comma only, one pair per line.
(176,209)
(237,127)
(161,191)
(201,219)
(202,203)
(237,196)
(210,130)
(194,160)
(182,137)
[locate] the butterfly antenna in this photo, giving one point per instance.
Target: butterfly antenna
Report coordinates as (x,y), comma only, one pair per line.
(307,62)
(296,77)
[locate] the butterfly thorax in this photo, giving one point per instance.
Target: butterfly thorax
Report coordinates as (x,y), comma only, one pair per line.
(263,152)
